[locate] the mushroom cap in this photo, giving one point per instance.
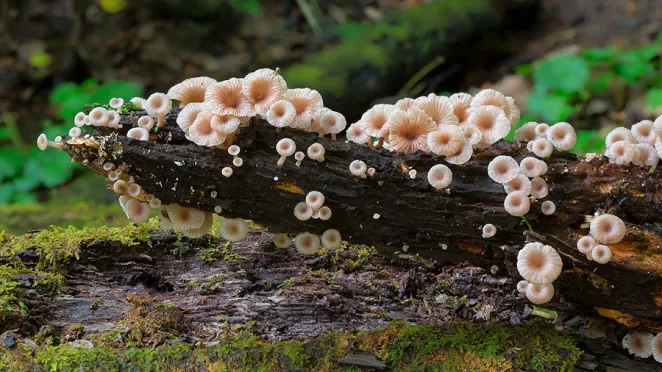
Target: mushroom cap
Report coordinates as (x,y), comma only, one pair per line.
(658,146)
(286,147)
(539,188)
(281,114)
(440,176)
(439,109)
(519,183)
(532,167)
(374,121)
(136,210)
(203,133)
(233,229)
(226,98)
(408,131)
(562,135)
(79,119)
(638,344)
(147,122)
(539,263)
(657,126)
(586,243)
(656,347)
(489,230)
(517,203)
(184,218)
(315,199)
(619,134)
(133,190)
(548,207)
(324,213)
(527,132)
(472,134)
(307,243)
(503,169)
(513,111)
(302,211)
(164,218)
(357,167)
(187,115)
(282,240)
(158,105)
(203,229)
(541,130)
(460,102)
(190,90)
(542,147)
(540,293)
(446,140)
(522,285)
(307,104)
(601,254)
(75,132)
(357,134)
(315,151)
(644,155)
(139,102)
(225,125)
(491,121)
(263,87)
(405,104)
(331,239)
(237,162)
(140,134)
(120,187)
(234,150)
(490,97)
(643,132)
(155,203)
(113,119)
(116,103)
(607,229)
(331,121)
(98,116)
(299,155)
(227,172)
(461,156)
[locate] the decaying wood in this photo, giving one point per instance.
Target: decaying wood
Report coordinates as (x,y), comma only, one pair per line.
(441,227)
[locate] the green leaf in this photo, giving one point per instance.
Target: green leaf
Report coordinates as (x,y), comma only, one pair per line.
(117,88)
(565,73)
(246,6)
(589,140)
(552,108)
(24,197)
(351,30)
(6,192)
(595,55)
(653,98)
(40,59)
(601,82)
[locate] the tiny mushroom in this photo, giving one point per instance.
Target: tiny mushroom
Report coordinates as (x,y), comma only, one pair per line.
(43,143)
(358,168)
(75,132)
(282,240)
(539,293)
(522,285)
(302,211)
(307,243)
(233,229)
(489,230)
(98,116)
(226,171)
(120,187)
(517,203)
(315,199)
(234,150)
(157,106)
(316,152)
(539,263)
(140,134)
(440,176)
(136,210)
(503,169)
(601,254)
(79,119)
(146,122)
(548,207)
(331,239)
(586,243)
(237,162)
(608,229)
(638,344)
(285,147)
(299,156)
(324,213)
(133,190)
(116,103)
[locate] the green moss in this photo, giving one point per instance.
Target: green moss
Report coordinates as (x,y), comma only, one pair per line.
(151,322)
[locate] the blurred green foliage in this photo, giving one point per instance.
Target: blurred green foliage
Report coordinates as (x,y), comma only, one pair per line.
(24,168)
(246,6)
(563,84)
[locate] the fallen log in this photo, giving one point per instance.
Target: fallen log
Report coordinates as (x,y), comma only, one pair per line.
(396,213)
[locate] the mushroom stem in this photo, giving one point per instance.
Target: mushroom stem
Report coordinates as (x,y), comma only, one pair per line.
(298,163)
(281,161)
(370,144)
(160,122)
(380,142)
(57,145)
(654,166)
(333,136)
(321,135)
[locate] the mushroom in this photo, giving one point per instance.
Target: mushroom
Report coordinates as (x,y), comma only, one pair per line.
(307,244)
(237,162)
(75,132)
(405,104)
(586,243)
(358,168)
(233,229)
(218,209)
(157,106)
(227,98)
(203,132)
(522,285)
(539,293)
(657,126)
(460,103)
(472,134)
(489,230)
(446,140)
(638,344)
(136,210)
(324,213)
(539,188)
(140,134)
(645,155)
(490,97)
(120,187)
(98,116)
(412,174)
(331,122)
(408,131)
(542,147)
(138,102)
(316,152)
(79,119)
(371,171)
(643,132)
(519,183)
(527,132)
(155,203)
(108,166)
(147,122)
(517,203)
(226,172)
(562,135)
(541,130)
(601,254)
(513,112)
(112,175)
(656,346)
(43,143)
(461,156)
(620,152)
(532,167)
(114,119)
(188,114)
(374,121)
(307,104)
(263,87)
(491,121)
(203,229)
(439,109)
(315,199)
(133,190)
(184,218)
(285,147)
(607,229)
(503,169)
(548,207)
(302,211)
(191,90)
(299,156)
(357,134)
(440,176)
(538,263)
(281,114)
(116,103)
(619,134)
(234,150)
(331,239)
(282,240)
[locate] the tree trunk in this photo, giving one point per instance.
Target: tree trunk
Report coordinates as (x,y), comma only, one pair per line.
(396,213)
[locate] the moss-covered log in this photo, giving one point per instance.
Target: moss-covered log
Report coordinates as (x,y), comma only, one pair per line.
(397,213)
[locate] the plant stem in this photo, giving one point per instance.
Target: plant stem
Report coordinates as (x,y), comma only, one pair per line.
(527,223)
(420,75)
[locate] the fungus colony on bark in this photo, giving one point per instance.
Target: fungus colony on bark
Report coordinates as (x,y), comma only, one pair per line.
(450,127)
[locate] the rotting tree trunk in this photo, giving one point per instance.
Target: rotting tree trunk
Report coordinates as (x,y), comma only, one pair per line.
(628,289)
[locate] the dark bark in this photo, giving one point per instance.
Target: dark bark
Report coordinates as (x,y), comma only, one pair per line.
(411,212)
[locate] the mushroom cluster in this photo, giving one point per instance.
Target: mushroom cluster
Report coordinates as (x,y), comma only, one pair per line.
(604,229)
(539,265)
(640,145)
(541,138)
(643,345)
